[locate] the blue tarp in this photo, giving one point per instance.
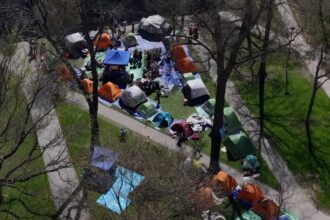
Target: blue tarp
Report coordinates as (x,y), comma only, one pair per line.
(117,57)
(116,199)
(103,158)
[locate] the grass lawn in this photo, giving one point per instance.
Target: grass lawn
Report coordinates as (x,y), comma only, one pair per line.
(285,125)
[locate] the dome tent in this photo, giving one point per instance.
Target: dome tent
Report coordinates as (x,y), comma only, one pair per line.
(146,110)
(130,40)
(132,97)
(195,92)
(163,119)
(75,43)
(110,91)
(238,146)
(154,28)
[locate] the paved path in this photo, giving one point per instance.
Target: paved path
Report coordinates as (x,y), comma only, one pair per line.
(296,198)
(50,138)
(299,43)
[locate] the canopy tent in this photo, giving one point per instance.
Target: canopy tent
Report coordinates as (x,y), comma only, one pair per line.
(178,53)
(75,43)
(101,174)
(163,119)
(146,110)
(266,209)
(250,195)
(110,91)
(238,146)
(117,57)
(182,126)
(88,85)
(132,97)
(130,40)
(102,42)
(195,92)
(232,124)
(186,65)
(154,28)
(225,181)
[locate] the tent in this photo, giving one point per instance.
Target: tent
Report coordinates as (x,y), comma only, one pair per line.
(146,110)
(117,57)
(65,73)
(102,41)
(232,124)
(188,76)
(182,126)
(288,216)
(162,119)
(266,209)
(88,85)
(238,146)
(100,175)
(195,92)
(178,53)
(208,107)
(250,195)
(154,28)
(132,97)
(186,65)
(110,91)
(75,43)
(225,182)
(130,40)
(251,164)
(248,215)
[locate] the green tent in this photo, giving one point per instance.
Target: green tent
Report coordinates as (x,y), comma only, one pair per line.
(207,108)
(232,124)
(188,76)
(146,110)
(238,146)
(248,215)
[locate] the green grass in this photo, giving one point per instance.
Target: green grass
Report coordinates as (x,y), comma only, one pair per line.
(285,121)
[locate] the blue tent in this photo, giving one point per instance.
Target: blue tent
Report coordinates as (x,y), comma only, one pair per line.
(162,119)
(117,57)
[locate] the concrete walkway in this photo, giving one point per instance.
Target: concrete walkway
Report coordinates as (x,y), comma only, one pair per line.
(295,197)
(64,180)
(300,44)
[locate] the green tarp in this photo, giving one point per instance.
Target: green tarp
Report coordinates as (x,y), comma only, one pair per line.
(146,110)
(232,124)
(248,215)
(238,146)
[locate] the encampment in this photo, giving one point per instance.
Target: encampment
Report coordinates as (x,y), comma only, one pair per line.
(88,85)
(225,181)
(154,28)
(110,91)
(266,209)
(75,43)
(186,65)
(182,126)
(250,195)
(132,97)
(195,92)
(231,122)
(163,119)
(65,73)
(130,40)
(238,146)
(146,110)
(178,53)
(102,42)
(117,57)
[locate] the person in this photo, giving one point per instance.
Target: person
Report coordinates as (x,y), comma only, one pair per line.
(130,79)
(181,139)
(158,95)
(195,34)
(190,35)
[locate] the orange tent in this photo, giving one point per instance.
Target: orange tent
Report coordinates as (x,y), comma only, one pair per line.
(178,53)
(65,73)
(185,65)
(88,85)
(266,209)
(225,181)
(110,91)
(251,194)
(104,41)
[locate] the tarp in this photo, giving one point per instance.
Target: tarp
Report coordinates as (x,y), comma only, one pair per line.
(116,199)
(110,91)
(266,209)
(145,45)
(132,97)
(178,53)
(88,85)
(163,119)
(102,42)
(250,195)
(154,28)
(182,126)
(146,110)
(103,158)
(238,146)
(186,65)
(117,57)
(225,181)
(232,124)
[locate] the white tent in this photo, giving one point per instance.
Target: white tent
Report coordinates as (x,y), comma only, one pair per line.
(195,92)
(154,27)
(74,43)
(133,96)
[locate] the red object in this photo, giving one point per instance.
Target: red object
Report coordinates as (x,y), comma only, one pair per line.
(195,137)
